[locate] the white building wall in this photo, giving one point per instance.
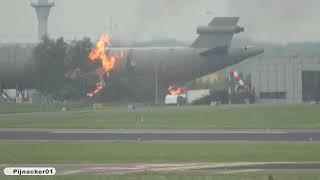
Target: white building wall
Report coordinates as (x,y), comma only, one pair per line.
(281,75)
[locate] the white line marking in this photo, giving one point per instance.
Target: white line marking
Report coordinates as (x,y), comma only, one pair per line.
(155,132)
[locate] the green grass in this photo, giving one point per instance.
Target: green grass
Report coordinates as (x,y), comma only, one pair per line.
(148,152)
(174,176)
(289,116)
(9,108)
(21,108)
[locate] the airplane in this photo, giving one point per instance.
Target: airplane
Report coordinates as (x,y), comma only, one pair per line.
(155,69)
(144,73)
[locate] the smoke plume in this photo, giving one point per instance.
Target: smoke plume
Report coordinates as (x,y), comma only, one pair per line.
(278,20)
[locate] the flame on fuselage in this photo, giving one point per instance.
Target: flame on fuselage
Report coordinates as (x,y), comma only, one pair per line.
(103,52)
(177,90)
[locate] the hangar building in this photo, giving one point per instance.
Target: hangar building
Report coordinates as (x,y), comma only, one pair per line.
(292,80)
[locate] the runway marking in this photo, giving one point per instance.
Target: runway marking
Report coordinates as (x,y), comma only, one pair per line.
(240,171)
(71,172)
(177,132)
(67,169)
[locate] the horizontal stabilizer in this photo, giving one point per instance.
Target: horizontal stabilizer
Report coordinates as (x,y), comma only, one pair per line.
(224,21)
(218,33)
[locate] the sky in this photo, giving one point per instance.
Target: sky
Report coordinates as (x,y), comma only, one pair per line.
(279,21)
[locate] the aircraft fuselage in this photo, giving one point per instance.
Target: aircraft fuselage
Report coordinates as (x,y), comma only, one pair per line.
(177,64)
(142,67)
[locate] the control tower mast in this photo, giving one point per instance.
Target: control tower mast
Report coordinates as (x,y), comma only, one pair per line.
(42,8)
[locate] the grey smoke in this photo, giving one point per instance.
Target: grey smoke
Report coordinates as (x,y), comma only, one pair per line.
(279,20)
(267,20)
(134,19)
(168,18)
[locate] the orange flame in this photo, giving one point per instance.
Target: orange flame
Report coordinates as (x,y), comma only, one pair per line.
(96,91)
(99,53)
(177,90)
(102,52)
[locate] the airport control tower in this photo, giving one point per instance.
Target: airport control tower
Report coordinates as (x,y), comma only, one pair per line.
(42,8)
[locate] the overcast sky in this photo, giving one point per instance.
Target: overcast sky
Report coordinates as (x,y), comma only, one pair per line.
(265,20)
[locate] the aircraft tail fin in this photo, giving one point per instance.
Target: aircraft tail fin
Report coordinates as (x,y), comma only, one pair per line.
(218,33)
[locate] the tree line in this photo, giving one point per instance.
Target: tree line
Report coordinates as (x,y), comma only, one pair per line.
(58,67)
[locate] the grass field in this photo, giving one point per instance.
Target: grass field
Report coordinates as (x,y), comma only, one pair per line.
(289,116)
(8,108)
(174,176)
(159,152)
(21,108)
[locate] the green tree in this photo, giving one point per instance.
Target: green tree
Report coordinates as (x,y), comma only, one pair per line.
(79,69)
(77,55)
(49,56)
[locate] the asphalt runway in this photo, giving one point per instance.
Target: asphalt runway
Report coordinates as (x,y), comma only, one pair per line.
(149,135)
